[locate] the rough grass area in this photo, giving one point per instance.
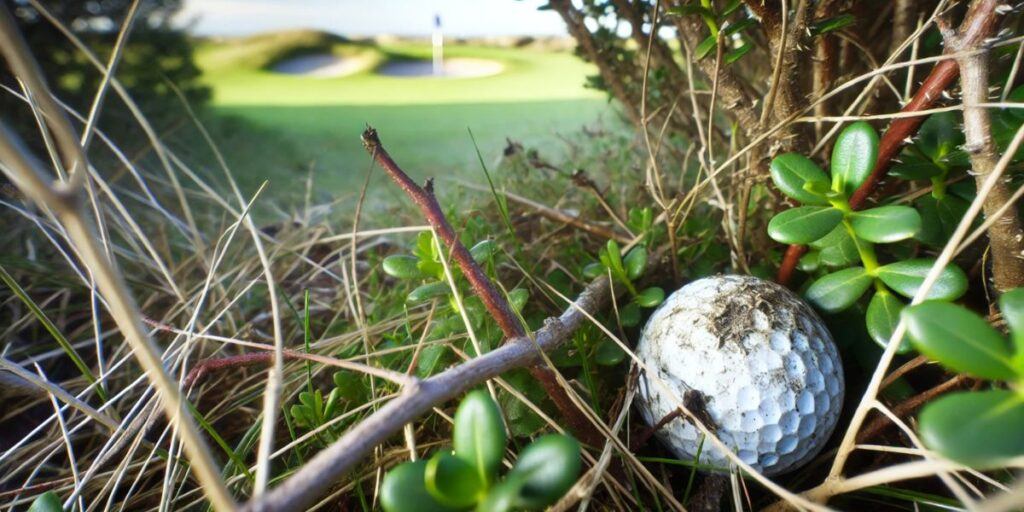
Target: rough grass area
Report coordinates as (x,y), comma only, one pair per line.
(316,121)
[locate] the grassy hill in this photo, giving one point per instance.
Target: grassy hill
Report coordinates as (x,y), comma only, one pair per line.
(284,123)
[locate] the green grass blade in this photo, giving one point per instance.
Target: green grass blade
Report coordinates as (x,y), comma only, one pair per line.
(52,329)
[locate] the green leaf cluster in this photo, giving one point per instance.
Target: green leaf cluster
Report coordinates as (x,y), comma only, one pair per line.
(424,267)
(978,428)
(625,271)
(731,31)
(467,477)
(842,241)
(313,410)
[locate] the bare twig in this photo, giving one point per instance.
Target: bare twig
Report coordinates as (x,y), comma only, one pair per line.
(492,299)
(323,470)
(1006,235)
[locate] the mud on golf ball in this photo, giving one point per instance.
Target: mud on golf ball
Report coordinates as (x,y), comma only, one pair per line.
(763,362)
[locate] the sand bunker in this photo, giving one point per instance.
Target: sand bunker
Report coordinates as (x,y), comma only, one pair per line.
(320,66)
(453,68)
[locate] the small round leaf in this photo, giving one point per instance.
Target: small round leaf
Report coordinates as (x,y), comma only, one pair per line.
(483,250)
(839,290)
(650,297)
(853,157)
(981,429)
(46,502)
(804,224)
(882,316)
(452,481)
(1012,306)
(428,291)
(593,270)
(886,224)
(517,298)
(906,277)
(548,468)
(791,171)
(403,490)
(959,339)
(635,262)
(401,266)
(479,434)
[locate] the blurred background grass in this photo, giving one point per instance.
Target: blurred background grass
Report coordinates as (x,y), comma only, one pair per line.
(278,127)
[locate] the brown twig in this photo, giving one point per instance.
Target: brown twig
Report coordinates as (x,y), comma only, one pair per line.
(492,299)
(1006,236)
(428,205)
(323,470)
(974,29)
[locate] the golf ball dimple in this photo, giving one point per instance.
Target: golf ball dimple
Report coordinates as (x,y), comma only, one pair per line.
(763,362)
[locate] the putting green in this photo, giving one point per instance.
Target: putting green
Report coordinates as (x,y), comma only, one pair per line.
(422,120)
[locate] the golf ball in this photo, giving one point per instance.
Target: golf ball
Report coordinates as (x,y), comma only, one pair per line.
(765,367)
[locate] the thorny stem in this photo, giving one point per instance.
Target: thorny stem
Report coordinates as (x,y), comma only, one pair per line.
(1005,236)
(492,299)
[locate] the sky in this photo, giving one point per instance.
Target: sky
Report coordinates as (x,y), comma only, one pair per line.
(370,17)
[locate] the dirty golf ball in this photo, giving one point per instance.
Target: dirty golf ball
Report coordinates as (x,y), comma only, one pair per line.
(762,361)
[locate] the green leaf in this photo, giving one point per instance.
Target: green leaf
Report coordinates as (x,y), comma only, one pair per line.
(629,315)
(980,429)
(517,297)
(46,502)
(841,251)
(402,266)
(452,481)
(608,353)
(959,339)
(882,316)
(886,224)
(839,290)
(804,224)
(404,490)
(636,262)
(739,26)
(502,497)
(831,24)
(705,47)
(593,270)
(906,277)
(548,467)
(614,257)
(791,171)
(478,436)
(428,291)
(1012,306)
(809,262)
(915,170)
(737,54)
(483,250)
(853,157)
(650,297)
(940,135)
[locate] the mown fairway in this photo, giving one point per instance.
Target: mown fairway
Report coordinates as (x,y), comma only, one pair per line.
(291,122)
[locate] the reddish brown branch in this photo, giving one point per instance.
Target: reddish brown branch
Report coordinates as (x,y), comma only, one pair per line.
(978,25)
(428,205)
(495,303)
